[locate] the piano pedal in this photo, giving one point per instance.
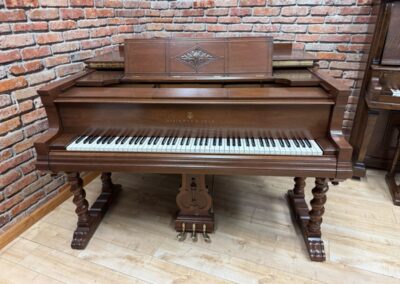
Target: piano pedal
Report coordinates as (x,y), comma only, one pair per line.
(194,233)
(206,237)
(182,235)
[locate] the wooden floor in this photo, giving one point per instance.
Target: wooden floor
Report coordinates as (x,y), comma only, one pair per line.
(255,241)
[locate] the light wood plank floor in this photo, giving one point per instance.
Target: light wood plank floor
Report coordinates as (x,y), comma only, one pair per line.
(255,241)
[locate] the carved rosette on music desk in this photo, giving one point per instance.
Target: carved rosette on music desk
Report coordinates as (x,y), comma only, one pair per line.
(195,207)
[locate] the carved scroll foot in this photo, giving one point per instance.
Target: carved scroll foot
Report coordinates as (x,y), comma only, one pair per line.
(309,221)
(89,219)
(394,189)
(195,206)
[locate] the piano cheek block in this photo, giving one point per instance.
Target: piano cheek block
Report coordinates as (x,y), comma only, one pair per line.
(189,113)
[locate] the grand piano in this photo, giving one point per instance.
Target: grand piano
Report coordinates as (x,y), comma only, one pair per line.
(197,107)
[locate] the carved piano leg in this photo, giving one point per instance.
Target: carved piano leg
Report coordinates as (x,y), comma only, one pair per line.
(89,219)
(310,221)
(194,204)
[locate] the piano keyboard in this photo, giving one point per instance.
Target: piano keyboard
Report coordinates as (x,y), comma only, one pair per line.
(216,145)
(395,92)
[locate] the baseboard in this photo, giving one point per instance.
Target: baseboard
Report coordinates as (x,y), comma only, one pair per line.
(13,232)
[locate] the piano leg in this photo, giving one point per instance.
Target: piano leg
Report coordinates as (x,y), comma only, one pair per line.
(394,188)
(310,221)
(89,219)
(195,205)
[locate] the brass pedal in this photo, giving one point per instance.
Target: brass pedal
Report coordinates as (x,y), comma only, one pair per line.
(206,237)
(182,235)
(194,234)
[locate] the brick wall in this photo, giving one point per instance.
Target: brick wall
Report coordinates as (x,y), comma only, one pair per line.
(44,40)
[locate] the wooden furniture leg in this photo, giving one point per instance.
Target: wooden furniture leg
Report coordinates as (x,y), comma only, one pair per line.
(394,188)
(89,219)
(195,205)
(359,165)
(310,221)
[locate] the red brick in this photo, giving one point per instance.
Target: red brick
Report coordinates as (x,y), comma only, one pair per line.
(21,3)
(9,125)
(265,28)
(281,2)
(16,41)
(43,14)
(9,177)
(293,28)
(209,20)
(69,69)
(5,100)
(10,139)
(65,47)
(295,11)
(354,10)
(12,16)
(4,219)
(252,3)
(71,14)
(240,12)
(9,56)
(10,202)
(353,29)
(77,34)
(54,3)
(5,29)
(100,32)
(36,127)
(203,4)
(20,184)
(229,20)
(62,25)
(35,52)
(81,3)
(82,55)
(12,84)
(25,68)
(216,28)
(113,3)
(240,28)
(56,60)
(41,77)
(49,38)
(33,115)
(28,202)
(15,161)
(125,29)
(266,11)
(89,44)
(322,29)
(323,10)
(330,56)
(5,155)
(30,27)
(28,167)
(213,12)
(98,13)
(310,20)
(335,38)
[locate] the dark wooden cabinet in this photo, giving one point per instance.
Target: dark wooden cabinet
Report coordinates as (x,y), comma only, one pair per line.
(375,131)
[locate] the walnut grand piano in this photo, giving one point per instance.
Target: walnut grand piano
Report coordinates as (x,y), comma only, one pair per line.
(196,107)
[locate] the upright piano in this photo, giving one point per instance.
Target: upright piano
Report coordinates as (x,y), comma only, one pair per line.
(375,136)
(197,107)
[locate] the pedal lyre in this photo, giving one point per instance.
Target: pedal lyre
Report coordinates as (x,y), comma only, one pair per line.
(194,234)
(206,237)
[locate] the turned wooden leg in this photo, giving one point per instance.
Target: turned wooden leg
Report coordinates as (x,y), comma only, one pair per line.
(194,204)
(394,188)
(89,219)
(309,221)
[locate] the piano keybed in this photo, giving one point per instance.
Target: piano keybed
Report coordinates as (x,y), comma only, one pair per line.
(250,145)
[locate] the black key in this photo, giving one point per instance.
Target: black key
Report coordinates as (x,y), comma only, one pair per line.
(188,141)
(183,141)
(239,142)
(119,139)
(142,140)
(234,142)
(87,139)
(132,140)
(220,141)
(101,140)
(261,141)
(79,139)
(201,141)
(266,140)
(156,141)
(137,140)
(296,143)
(169,140)
(151,140)
(253,143)
(302,143)
(287,142)
(215,141)
(174,140)
(228,142)
(206,142)
(112,138)
(124,140)
(272,142)
(281,142)
(247,142)
(308,143)
(196,141)
(164,141)
(105,139)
